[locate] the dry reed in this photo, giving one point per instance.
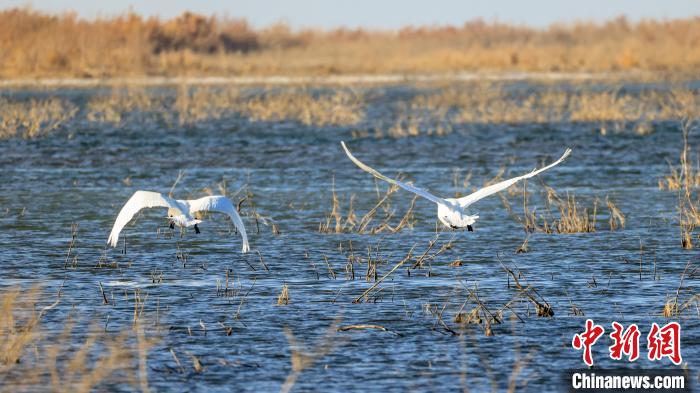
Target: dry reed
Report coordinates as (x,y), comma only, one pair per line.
(337,222)
(283,298)
(67,361)
(340,107)
(564,215)
(33,118)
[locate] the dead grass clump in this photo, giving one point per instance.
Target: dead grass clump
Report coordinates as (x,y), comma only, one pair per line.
(33,118)
(123,104)
(283,298)
(69,361)
(613,108)
(199,104)
(337,222)
(608,106)
(564,215)
(340,107)
(571,218)
(617,219)
(686,176)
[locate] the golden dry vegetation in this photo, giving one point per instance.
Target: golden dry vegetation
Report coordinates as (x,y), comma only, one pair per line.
(33,44)
(65,361)
(431,111)
(487,102)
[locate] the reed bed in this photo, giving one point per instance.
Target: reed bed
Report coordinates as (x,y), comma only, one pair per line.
(125,104)
(200,104)
(341,107)
(433,113)
(197,104)
(33,118)
(38,44)
(612,108)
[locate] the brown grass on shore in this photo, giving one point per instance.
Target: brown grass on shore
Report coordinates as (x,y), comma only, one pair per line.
(33,43)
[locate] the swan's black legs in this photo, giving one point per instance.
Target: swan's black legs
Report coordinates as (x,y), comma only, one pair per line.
(196,228)
(172,225)
(469,228)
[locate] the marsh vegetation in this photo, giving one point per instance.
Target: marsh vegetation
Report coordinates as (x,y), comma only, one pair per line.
(349,276)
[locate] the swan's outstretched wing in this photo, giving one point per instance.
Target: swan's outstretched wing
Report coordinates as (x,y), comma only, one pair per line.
(138,201)
(221,204)
(494,188)
(425,194)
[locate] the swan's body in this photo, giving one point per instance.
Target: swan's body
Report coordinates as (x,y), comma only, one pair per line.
(453,211)
(180,212)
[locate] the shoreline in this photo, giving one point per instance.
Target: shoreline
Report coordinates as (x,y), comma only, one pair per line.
(349,79)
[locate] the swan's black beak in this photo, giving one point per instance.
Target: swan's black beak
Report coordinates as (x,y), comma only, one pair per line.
(172,225)
(196,229)
(470,228)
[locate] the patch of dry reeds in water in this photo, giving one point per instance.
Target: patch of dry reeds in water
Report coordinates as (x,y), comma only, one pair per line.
(38,44)
(494,103)
(564,214)
(195,104)
(33,118)
(438,112)
(382,217)
(66,361)
(685,179)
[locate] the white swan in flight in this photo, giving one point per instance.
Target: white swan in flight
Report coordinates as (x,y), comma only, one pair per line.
(180,212)
(452,211)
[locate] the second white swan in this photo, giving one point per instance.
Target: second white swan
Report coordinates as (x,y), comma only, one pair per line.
(453,211)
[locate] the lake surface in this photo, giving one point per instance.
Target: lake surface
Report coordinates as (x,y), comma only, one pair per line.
(84,172)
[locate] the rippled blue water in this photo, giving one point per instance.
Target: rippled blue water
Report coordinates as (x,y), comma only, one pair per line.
(75,175)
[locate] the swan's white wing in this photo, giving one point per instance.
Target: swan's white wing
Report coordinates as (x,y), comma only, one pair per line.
(494,188)
(221,204)
(425,194)
(138,201)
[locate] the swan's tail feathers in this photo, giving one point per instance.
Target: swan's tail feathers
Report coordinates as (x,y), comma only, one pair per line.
(113,239)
